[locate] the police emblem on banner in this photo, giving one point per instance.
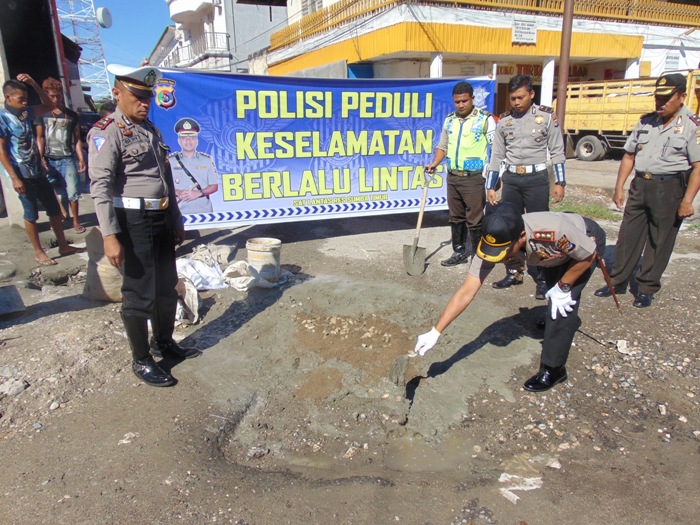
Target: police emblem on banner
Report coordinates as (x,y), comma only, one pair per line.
(165,94)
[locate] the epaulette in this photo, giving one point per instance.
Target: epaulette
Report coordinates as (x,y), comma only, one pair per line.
(647,115)
(694,119)
(202,154)
(452,114)
(504,115)
(103,123)
(485,112)
(546,109)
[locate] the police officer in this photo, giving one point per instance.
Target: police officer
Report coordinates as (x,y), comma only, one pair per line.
(525,136)
(194,172)
(132,188)
(663,150)
(466,136)
(564,245)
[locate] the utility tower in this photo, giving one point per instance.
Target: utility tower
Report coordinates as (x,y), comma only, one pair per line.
(79,23)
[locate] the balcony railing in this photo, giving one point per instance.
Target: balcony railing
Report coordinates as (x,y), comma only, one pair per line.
(208,45)
(642,11)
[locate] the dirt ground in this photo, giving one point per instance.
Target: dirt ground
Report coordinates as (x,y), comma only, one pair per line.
(304,407)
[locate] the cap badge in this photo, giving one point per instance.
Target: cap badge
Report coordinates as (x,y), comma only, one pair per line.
(150,79)
(662,81)
(490,239)
(187,125)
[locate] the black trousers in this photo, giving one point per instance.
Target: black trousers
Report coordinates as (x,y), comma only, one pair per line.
(650,225)
(559,333)
(529,192)
(150,274)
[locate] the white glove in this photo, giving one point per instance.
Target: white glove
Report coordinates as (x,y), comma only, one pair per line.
(426,342)
(561,301)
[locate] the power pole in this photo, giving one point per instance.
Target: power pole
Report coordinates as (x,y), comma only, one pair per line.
(79,23)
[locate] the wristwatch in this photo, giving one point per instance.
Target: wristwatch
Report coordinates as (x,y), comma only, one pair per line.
(564,287)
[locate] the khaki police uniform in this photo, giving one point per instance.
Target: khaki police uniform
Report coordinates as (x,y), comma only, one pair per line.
(662,163)
(134,195)
(201,167)
(466,142)
(522,146)
(553,242)
(524,143)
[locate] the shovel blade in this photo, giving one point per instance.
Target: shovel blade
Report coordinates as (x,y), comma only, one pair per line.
(413,259)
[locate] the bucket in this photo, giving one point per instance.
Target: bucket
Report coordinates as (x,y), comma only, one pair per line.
(264,256)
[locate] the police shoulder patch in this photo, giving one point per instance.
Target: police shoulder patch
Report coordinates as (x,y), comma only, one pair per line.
(546,109)
(103,123)
(694,119)
(543,235)
(565,245)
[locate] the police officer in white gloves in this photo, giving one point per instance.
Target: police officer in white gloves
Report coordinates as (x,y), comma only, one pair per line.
(564,246)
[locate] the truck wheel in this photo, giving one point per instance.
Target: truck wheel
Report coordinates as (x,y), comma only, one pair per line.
(590,148)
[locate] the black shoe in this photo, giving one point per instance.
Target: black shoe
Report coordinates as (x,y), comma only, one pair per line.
(546,378)
(172,349)
(457,258)
(541,290)
(150,373)
(643,300)
(605,291)
(509,280)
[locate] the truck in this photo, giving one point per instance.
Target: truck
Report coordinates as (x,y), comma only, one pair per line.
(600,115)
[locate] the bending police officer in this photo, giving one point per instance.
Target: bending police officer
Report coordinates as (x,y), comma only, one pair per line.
(134,195)
(465,139)
(564,246)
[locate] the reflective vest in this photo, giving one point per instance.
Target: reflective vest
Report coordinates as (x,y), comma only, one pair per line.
(466,141)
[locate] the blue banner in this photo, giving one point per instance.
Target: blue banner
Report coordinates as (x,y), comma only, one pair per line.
(274,149)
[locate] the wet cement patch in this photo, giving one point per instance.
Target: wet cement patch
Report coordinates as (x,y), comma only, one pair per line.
(340,386)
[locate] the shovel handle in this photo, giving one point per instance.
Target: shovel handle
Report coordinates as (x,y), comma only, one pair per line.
(420,213)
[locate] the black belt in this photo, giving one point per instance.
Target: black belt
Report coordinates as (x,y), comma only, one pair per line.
(463,173)
(649,176)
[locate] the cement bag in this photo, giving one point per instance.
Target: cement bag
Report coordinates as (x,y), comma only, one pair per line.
(103,282)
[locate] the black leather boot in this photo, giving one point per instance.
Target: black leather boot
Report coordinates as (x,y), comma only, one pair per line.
(163,323)
(459,245)
(143,365)
(605,290)
(546,378)
(148,371)
(512,278)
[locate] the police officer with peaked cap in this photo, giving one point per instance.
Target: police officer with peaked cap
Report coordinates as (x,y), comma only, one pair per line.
(525,136)
(194,172)
(564,245)
(663,151)
(132,188)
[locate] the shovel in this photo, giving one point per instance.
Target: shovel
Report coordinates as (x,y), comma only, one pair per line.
(413,255)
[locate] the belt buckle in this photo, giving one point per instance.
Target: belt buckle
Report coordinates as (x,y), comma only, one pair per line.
(163,203)
(521,170)
(147,204)
(647,175)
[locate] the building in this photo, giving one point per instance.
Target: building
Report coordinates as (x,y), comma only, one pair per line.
(216,34)
(428,38)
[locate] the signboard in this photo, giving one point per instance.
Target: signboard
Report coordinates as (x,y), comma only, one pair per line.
(277,149)
(524,32)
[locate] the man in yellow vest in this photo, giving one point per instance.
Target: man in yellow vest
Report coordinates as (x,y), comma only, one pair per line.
(465,140)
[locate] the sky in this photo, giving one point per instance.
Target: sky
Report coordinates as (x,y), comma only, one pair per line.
(136,27)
